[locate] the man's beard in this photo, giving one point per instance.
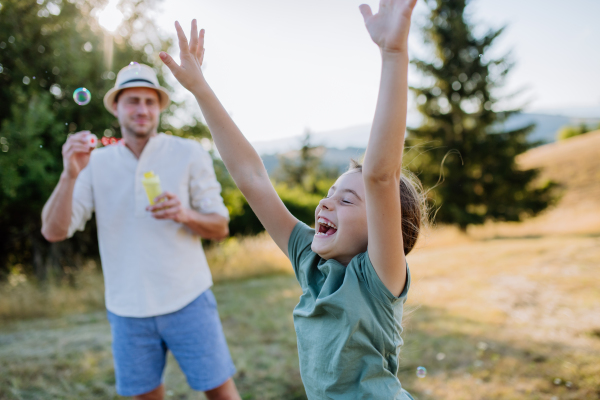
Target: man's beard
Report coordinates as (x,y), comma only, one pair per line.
(138,133)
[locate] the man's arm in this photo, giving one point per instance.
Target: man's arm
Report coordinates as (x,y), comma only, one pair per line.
(57,212)
(209,226)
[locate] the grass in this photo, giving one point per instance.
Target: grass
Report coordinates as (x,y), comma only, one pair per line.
(503,318)
(83,290)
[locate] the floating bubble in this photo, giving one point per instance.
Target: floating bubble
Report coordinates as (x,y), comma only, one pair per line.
(82,96)
(421,372)
(440,356)
(135,68)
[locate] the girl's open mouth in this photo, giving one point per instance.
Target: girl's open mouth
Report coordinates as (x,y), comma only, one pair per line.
(325,227)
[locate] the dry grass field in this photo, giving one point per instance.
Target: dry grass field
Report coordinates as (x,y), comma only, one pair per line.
(505,311)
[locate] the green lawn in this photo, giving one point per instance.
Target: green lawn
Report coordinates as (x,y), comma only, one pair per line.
(489,319)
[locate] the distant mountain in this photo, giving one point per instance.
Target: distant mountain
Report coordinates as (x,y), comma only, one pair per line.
(357,136)
(546,125)
(585,112)
(339,158)
(354,136)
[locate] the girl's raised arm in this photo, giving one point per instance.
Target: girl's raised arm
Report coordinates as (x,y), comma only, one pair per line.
(242,161)
(382,165)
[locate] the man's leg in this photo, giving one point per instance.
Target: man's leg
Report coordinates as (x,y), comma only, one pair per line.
(195,337)
(156,394)
(226,391)
(139,356)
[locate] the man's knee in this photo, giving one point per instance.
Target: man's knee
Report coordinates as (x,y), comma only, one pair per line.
(156,394)
(226,391)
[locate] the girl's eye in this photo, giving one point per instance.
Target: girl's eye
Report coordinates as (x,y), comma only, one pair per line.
(346,201)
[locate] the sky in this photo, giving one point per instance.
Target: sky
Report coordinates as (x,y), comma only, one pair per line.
(281,67)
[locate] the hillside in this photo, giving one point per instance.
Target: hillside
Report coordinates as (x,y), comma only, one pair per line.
(574,164)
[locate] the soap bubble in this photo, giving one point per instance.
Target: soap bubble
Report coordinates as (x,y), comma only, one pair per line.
(421,372)
(82,96)
(135,68)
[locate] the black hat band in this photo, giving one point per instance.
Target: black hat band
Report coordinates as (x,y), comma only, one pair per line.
(137,80)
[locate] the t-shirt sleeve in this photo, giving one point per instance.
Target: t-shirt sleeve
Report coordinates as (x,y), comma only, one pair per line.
(205,190)
(299,245)
(83,201)
(376,286)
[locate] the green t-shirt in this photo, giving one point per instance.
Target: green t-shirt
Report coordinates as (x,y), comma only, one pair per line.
(348,326)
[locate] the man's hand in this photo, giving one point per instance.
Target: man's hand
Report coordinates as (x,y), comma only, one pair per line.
(189,73)
(76,154)
(168,206)
(389,27)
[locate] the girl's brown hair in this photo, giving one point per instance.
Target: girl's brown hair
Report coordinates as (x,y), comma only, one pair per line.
(413,206)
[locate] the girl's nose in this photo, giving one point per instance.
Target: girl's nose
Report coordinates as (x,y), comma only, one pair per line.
(326,204)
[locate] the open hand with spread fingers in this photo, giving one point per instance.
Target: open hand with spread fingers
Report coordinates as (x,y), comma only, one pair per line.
(389,27)
(189,73)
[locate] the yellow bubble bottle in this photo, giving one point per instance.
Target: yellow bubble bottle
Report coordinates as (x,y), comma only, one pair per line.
(151,183)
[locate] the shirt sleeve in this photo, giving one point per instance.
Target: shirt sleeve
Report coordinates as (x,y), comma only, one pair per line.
(299,245)
(205,190)
(83,201)
(376,286)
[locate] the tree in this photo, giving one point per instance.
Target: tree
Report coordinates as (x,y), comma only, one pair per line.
(462,151)
(304,168)
(48,49)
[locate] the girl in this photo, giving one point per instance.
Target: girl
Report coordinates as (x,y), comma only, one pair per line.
(352,266)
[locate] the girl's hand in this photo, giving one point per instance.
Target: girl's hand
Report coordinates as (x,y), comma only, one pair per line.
(189,73)
(389,27)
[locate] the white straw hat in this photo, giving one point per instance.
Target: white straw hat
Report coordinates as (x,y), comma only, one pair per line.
(136,75)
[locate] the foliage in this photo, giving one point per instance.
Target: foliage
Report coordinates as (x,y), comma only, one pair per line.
(47,50)
(567,132)
(300,180)
(243,221)
(305,168)
(463,152)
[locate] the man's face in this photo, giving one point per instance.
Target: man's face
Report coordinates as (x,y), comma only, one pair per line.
(138,111)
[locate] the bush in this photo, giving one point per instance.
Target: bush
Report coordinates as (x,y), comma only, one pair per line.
(243,220)
(567,132)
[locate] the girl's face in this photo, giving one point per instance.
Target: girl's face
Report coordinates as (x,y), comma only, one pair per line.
(341,220)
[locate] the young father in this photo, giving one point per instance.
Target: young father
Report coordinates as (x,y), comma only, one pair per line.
(156,276)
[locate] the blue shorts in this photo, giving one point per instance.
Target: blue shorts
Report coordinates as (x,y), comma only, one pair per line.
(193,334)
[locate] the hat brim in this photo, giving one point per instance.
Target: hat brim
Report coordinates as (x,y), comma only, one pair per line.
(164,98)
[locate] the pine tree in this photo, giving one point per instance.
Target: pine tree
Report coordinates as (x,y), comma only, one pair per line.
(461,149)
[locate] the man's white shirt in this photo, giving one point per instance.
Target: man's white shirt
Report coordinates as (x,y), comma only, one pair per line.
(151,267)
